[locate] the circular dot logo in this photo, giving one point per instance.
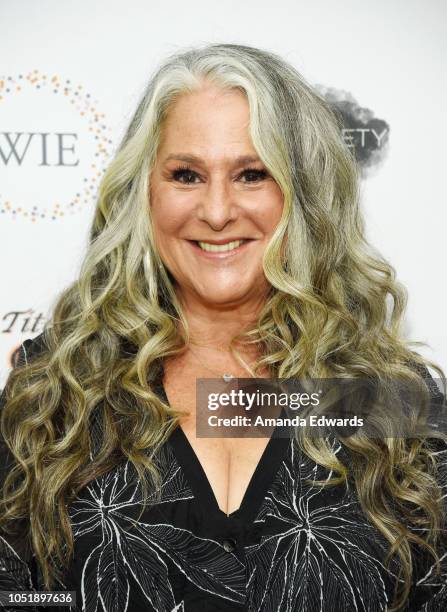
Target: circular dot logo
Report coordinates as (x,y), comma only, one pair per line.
(54,147)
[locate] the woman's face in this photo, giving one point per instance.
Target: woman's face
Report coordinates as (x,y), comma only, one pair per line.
(214,206)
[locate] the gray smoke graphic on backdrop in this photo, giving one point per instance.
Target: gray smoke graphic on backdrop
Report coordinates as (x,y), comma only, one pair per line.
(364,133)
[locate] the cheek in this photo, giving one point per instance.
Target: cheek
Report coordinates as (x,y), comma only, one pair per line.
(269,213)
(168,216)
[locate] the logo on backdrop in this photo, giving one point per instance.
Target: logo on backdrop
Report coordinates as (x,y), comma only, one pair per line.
(366,135)
(54,146)
(22,321)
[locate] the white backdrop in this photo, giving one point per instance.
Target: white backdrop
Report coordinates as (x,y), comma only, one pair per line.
(72,73)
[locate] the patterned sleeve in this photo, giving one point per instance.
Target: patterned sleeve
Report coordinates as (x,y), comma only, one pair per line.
(430,589)
(17,567)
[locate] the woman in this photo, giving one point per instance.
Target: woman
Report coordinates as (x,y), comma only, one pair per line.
(227,241)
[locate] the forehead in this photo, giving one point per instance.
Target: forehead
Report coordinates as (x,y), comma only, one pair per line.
(208,96)
(209,117)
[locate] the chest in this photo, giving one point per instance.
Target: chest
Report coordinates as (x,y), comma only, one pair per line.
(228,463)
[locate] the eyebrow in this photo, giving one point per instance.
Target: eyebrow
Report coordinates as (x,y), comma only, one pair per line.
(194,159)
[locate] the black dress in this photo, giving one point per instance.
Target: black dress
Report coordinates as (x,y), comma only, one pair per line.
(290,547)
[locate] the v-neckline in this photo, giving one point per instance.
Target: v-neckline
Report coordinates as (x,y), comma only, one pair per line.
(260,481)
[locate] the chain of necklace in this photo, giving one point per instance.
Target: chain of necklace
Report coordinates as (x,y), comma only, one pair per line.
(226,377)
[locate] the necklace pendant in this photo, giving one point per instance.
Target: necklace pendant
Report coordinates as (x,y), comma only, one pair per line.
(227,377)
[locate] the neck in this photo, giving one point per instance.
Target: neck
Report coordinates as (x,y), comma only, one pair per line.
(214,326)
(211,330)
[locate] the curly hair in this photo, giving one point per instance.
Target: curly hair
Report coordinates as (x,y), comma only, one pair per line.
(335,309)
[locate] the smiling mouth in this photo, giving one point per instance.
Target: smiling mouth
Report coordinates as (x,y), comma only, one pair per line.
(220,248)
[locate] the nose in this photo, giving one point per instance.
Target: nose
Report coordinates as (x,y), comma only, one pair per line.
(217,205)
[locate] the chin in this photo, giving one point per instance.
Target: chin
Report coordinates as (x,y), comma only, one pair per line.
(219,296)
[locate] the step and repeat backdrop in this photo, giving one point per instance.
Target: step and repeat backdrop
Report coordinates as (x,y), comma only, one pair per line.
(72,74)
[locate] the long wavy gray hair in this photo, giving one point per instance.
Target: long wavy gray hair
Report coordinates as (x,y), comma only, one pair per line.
(326,316)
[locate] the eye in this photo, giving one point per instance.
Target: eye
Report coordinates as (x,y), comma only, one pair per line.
(256,175)
(185,175)
(182,172)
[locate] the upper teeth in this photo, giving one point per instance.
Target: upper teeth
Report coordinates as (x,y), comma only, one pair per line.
(206,246)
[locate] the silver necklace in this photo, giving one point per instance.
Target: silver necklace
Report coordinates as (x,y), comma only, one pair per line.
(226,377)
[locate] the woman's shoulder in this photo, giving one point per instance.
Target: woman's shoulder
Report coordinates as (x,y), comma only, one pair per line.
(437,417)
(29,348)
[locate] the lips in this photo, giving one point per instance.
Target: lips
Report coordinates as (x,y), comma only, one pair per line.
(220,249)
